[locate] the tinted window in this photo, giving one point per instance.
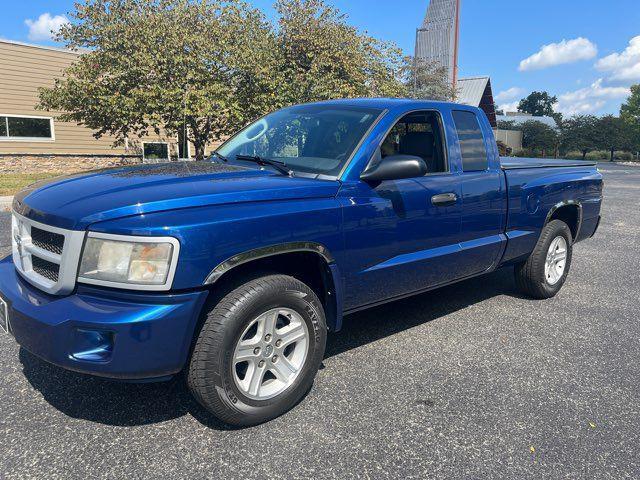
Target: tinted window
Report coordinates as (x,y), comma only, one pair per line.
(316,139)
(3,126)
(474,154)
(29,127)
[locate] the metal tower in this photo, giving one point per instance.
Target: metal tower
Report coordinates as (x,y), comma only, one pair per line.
(437,39)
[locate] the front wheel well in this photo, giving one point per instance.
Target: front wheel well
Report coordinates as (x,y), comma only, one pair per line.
(569,214)
(309,267)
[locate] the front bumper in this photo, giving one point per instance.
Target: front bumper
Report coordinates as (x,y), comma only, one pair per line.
(128,336)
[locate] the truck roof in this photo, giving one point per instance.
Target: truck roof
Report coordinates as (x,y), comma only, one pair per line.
(389,103)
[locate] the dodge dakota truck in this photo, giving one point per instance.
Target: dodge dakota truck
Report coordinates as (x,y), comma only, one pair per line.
(232,270)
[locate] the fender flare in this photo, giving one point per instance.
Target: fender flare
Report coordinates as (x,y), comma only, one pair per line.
(335,313)
(264,252)
(567,203)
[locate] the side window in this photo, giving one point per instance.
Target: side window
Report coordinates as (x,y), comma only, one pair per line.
(474,153)
(418,134)
(17,128)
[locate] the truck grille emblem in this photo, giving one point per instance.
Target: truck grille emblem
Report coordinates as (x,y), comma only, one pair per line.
(18,239)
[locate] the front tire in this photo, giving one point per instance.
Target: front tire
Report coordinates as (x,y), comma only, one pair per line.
(258,351)
(543,274)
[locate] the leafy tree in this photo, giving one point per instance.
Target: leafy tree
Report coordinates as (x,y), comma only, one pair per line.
(538,104)
(630,113)
(538,136)
(156,65)
(211,66)
(613,134)
(507,125)
(426,79)
(323,57)
(580,133)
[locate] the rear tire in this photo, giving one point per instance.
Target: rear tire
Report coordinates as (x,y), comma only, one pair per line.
(543,274)
(258,351)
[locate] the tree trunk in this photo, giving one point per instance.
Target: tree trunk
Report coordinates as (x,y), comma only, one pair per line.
(584,154)
(613,151)
(199,151)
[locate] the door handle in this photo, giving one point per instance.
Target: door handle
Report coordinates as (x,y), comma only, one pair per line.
(444,199)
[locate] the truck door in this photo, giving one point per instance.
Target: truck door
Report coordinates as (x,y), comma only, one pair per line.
(483,194)
(402,236)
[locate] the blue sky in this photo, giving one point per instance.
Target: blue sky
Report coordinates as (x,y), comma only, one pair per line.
(588,61)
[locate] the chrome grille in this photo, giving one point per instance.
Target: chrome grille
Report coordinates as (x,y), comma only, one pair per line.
(46,256)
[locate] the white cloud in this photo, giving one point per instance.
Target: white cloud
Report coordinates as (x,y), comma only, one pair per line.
(623,66)
(45,26)
(590,99)
(509,107)
(509,94)
(567,51)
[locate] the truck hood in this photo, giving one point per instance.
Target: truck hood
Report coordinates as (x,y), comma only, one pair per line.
(76,201)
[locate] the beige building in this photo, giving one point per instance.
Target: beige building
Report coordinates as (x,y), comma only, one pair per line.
(25,131)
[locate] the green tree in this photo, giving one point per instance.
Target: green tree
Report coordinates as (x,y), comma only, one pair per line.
(507,125)
(538,104)
(539,137)
(580,133)
(630,113)
(613,134)
(158,65)
(208,67)
(427,80)
(323,57)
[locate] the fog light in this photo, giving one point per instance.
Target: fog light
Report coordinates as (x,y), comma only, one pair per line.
(92,345)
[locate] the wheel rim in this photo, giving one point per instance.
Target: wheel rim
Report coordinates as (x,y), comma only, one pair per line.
(556,260)
(270,353)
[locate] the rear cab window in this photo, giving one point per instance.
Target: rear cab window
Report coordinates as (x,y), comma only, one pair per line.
(472,148)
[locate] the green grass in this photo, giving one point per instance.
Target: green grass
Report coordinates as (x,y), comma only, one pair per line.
(12,183)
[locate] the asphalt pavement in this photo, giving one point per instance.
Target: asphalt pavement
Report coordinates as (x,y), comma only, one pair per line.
(469,381)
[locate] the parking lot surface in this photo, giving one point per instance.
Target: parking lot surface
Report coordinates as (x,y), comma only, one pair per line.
(469,381)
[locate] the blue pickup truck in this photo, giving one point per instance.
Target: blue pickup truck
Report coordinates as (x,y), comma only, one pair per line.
(232,270)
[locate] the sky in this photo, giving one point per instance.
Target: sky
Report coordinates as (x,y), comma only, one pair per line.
(585,52)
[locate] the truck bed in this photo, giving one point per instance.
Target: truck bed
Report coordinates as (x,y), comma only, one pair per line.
(537,187)
(511,163)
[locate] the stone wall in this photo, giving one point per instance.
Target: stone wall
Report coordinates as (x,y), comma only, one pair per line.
(61,164)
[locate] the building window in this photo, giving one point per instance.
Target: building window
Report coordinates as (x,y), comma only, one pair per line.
(155,151)
(19,128)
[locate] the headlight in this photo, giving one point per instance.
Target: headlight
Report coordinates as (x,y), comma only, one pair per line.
(140,263)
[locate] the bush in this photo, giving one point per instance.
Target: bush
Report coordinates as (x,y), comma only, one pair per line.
(598,155)
(624,156)
(572,155)
(525,152)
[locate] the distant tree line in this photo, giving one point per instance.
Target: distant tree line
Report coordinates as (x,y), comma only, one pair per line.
(209,67)
(579,133)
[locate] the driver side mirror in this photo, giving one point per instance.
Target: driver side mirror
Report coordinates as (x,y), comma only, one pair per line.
(395,167)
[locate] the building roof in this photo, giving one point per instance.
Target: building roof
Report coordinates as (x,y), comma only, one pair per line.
(476,91)
(43,47)
(470,90)
(520,119)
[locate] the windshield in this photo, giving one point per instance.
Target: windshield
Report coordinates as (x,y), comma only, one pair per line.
(316,139)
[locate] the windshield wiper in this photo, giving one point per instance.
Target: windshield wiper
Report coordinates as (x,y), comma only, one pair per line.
(262,161)
(220,156)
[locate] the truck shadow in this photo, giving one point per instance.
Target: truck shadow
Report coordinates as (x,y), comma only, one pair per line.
(127,404)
